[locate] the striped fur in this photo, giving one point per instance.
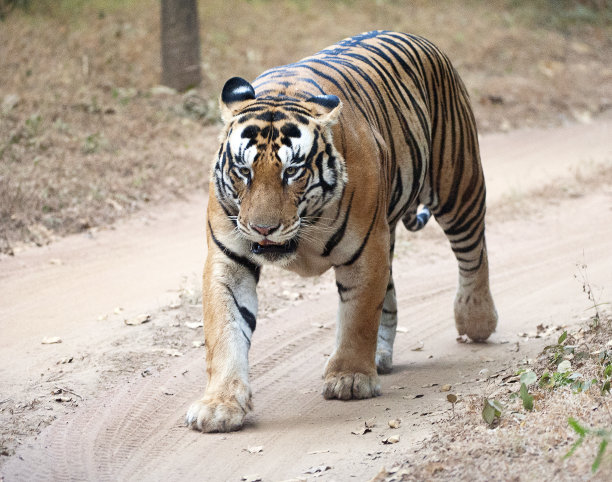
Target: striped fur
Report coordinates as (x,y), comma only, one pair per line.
(318,162)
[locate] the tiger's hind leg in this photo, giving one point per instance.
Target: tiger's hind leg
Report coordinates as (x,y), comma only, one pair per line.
(388,322)
(475,314)
(457,200)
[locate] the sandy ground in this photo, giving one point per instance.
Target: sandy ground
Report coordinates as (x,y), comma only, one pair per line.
(107,403)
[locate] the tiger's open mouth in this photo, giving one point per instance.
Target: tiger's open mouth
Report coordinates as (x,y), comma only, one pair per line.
(267,246)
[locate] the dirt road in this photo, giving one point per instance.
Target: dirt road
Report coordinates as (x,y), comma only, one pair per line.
(120,392)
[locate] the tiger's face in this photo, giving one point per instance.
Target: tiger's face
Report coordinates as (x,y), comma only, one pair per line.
(277,168)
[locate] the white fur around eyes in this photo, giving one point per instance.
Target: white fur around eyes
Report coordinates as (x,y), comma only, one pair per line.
(285,154)
(238,144)
(300,146)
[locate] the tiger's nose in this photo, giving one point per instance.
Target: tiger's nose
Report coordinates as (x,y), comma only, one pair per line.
(264,229)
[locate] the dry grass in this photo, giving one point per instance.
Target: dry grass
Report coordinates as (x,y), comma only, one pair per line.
(84,140)
(523,445)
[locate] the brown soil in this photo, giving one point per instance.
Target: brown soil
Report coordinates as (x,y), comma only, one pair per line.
(86,137)
(108,402)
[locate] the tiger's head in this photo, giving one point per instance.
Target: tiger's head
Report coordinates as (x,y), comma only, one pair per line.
(277,168)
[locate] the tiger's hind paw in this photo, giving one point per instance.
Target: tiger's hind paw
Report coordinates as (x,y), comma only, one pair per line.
(475,316)
(384,362)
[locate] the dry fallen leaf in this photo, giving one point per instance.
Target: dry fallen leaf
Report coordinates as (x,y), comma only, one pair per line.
(317,469)
(434,467)
(410,397)
(49,340)
(445,388)
(194,324)
(172,352)
(255,450)
(361,430)
(251,478)
(393,439)
(138,320)
(419,346)
(395,423)
(451,398)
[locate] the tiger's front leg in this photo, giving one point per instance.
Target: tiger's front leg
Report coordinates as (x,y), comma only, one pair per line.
(230,307)
(351,370)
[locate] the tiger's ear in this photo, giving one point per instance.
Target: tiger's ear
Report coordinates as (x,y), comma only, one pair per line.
(325,108)
(236,93)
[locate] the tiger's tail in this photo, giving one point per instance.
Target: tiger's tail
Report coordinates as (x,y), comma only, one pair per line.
(416,220)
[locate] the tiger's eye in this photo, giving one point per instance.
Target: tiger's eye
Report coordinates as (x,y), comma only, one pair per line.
(291,170)
(245,171)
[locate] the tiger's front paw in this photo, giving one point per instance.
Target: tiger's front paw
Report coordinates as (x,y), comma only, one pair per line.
(218,414)
(346,385)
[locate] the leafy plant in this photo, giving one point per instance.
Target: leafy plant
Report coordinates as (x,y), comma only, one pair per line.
(452,399)
(607,376)
(587,288)
(527,378)
(559,350)
(565,376)
(604,434)
(491,411)
(526,397)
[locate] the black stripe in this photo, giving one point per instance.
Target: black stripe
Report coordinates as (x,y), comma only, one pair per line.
(244,312)
(357,254)
(253,268)
(339,234)
(343,290)
(469,247)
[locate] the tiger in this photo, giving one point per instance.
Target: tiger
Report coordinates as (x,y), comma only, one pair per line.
(318,162)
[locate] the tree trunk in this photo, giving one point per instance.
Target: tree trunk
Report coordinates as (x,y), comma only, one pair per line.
(180,44)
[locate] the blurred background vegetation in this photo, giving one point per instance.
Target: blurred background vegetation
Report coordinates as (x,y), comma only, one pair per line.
(88,136)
